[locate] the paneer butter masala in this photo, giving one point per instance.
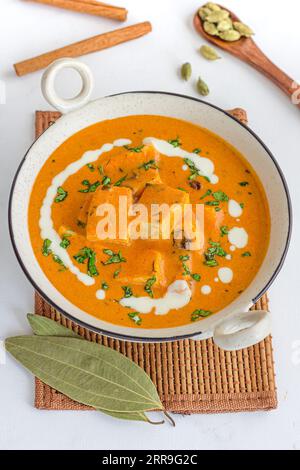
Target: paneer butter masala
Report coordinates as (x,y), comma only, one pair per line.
(130,278)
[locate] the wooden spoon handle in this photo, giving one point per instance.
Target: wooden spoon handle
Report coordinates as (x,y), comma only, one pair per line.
(264,65)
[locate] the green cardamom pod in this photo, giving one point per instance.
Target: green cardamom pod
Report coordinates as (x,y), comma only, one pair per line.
(230,35)
(202,87)
(209,53)
(217,16)
(186,71)
(212,6)
(203,12)
(243,29)
(224,25)
(210,29)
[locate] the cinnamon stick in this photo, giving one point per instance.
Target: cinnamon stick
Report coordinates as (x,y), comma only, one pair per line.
(93,44)
(91,7)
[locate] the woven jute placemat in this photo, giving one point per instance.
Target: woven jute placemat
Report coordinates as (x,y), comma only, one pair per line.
(190,376)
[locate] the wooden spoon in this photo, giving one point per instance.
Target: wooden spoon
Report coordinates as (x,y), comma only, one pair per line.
(248,51)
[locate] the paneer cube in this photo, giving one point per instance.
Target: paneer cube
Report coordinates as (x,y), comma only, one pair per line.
(137,270)
(165,207)
(107,216)
(137,169)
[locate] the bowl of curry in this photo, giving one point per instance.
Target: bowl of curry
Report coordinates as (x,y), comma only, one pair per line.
(148,150)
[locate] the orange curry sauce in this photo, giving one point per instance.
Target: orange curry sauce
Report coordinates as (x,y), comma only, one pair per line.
(146,259)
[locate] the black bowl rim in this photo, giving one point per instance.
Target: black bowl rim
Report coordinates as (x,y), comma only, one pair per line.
(141,338)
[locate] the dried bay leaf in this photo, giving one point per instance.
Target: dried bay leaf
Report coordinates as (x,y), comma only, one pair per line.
(43,326)
(137,416)
(87,372)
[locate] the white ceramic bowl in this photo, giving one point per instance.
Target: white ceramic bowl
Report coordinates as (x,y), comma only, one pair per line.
(233,327)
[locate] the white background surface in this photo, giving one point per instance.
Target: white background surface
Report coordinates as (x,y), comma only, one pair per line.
(27,29)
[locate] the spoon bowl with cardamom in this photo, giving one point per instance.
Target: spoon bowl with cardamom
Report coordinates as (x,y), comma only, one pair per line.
(224,29)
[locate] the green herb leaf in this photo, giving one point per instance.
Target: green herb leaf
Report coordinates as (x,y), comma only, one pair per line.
(116,273)
(246,254)
(106,181)
(61,194)
(134,149)
(243,183)
(220,196)
(46,247)
(65,242)
(57,260)
(182,189)
(104,285)
(214,250)
(90,187)
(90,167)
(120,181)
(113,257)
(147,165)
(242,205)
(127,291)
(184,257)
(134,316)
(207,193)
(175,142)
(212,203)
(87,372)
(87,254)
(200,313)
(149,284)
(197,151)
(224,230)
(196,277)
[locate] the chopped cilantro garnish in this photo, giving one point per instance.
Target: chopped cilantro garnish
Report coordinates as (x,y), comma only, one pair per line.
(113,257)
(186,270)
(175,142)
(90,167)
(220,196)
(134,149)
(127,291)
(224,230)
(182,189)
(214,250)
(196,277)
(106,181)
(87,254)
(46,247)
(207,193)
(242,205)
(184,257)
(149,284)
(116,273)
(200,313)
(147,165)
(104,285)
(134,316)
(61,194)
(65,242)
(89,187)
(57,259)
(243,183)
(120,181)
(212,203)
(197,151)
(246,253)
